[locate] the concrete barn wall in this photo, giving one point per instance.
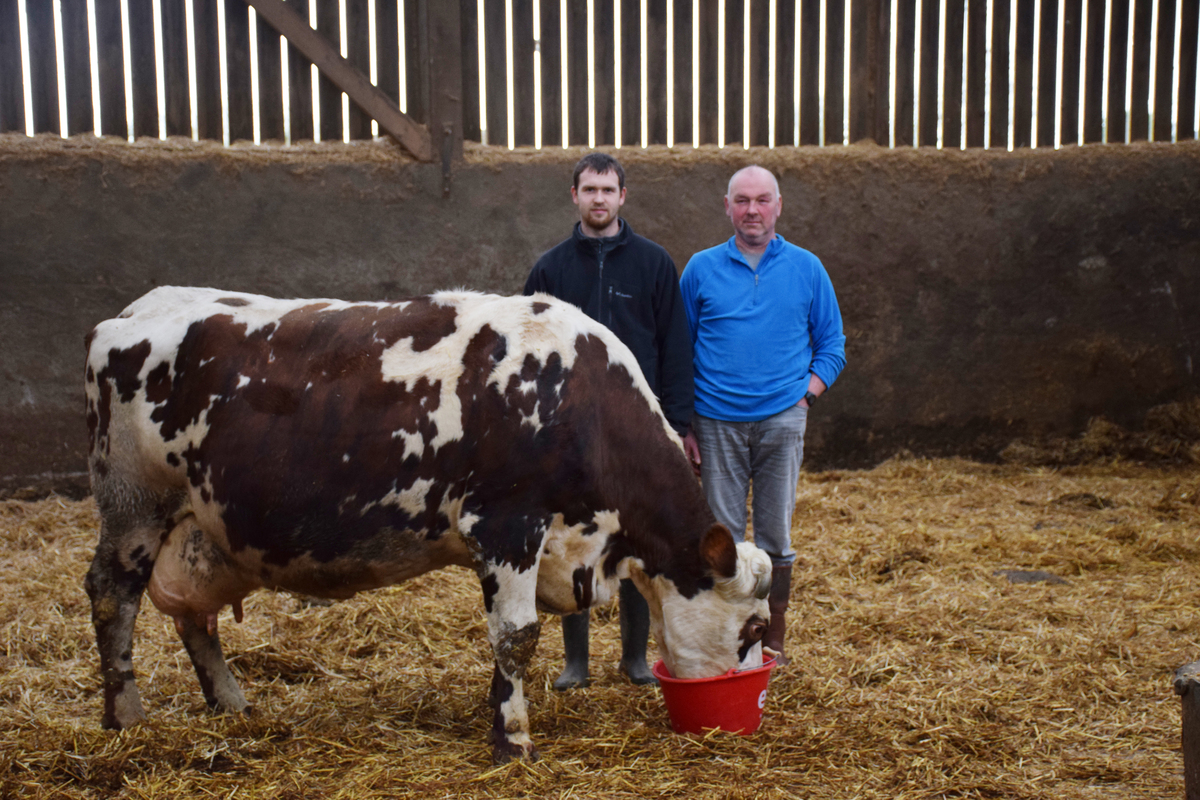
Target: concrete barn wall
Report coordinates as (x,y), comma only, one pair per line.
(986,295)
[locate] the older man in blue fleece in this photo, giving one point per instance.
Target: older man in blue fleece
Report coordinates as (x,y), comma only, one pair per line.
(767,342)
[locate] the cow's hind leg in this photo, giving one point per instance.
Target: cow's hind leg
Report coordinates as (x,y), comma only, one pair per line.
(131,530)
(221,690)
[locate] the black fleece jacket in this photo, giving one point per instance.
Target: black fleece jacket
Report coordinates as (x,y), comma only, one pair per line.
(629,284)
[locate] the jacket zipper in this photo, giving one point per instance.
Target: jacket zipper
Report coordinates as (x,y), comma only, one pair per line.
(606,321)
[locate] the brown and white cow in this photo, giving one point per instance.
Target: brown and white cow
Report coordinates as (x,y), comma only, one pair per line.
(327,447)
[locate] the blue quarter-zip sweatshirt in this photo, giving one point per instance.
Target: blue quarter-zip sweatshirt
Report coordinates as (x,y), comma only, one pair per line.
(758,334)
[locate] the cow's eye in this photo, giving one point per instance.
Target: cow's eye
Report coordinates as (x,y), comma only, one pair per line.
(756,629)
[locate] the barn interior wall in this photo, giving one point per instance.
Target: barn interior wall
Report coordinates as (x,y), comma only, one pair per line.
(987,295)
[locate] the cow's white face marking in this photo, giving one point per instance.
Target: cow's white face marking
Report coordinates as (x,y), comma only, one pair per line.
(698,636)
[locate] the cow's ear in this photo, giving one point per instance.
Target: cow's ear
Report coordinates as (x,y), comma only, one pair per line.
(718,551)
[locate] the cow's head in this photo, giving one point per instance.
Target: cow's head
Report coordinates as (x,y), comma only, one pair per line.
(719,629)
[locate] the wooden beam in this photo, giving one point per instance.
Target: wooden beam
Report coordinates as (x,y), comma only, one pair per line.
(1187,686)
(442,54)
(413,137)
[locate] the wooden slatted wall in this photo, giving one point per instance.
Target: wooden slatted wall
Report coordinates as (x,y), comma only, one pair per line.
(669,107)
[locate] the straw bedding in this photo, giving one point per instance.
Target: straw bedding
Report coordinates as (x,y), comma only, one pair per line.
(920,668)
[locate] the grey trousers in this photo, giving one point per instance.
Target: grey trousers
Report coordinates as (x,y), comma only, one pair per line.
(768,453)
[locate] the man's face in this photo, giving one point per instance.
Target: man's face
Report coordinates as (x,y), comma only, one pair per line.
(753,207)
(599,197)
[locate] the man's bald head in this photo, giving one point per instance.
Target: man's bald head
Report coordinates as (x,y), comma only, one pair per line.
(753,170)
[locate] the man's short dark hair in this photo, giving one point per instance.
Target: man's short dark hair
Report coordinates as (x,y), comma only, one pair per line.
(600,163)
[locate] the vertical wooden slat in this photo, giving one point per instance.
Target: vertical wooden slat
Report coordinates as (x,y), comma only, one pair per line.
(1072,20)
(358,53)
(708,71)
(208,70)
(43,80)
(78,67)
(417,87)
(785,48)
(905,23)
(497,72)
(388,49)
(681,96)
(656,71)
(1045,72)
(1115,102)
(1188,75)
(878,74)
(930,22)
(469,41)
(976,64)
(734,27)
(110,62)
(952,102)
(1094,71)
(1141,69)
(175,68)
(300,84)
(810,62)
(835,72)
(550,49)
(1000,32)
(1165,71)
(445,83)
(270,82)
(237,48)
(522,31)
(760,64)
(604,74)
(868,96)
(329,96)
(577,73)
(12,103)
(141,56)
(630,90)
(1023,77)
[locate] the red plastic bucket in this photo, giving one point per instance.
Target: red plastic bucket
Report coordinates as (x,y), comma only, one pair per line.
(731,702)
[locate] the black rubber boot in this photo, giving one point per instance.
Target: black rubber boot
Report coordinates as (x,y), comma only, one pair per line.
(575,645)
(777,601)
(635,632)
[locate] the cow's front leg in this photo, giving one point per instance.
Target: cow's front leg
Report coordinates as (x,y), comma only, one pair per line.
(513,628)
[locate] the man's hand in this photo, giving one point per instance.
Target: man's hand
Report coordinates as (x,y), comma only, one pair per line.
(692,448)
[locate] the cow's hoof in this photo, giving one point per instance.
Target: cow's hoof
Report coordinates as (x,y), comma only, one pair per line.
(112,723)
(122,710)
(504,752)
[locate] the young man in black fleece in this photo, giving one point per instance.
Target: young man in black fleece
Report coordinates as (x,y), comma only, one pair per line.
(629,284)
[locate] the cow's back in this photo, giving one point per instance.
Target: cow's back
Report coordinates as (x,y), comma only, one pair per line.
(310,425)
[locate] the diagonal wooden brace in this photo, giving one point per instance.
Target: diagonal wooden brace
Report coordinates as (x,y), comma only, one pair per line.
(413,137)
